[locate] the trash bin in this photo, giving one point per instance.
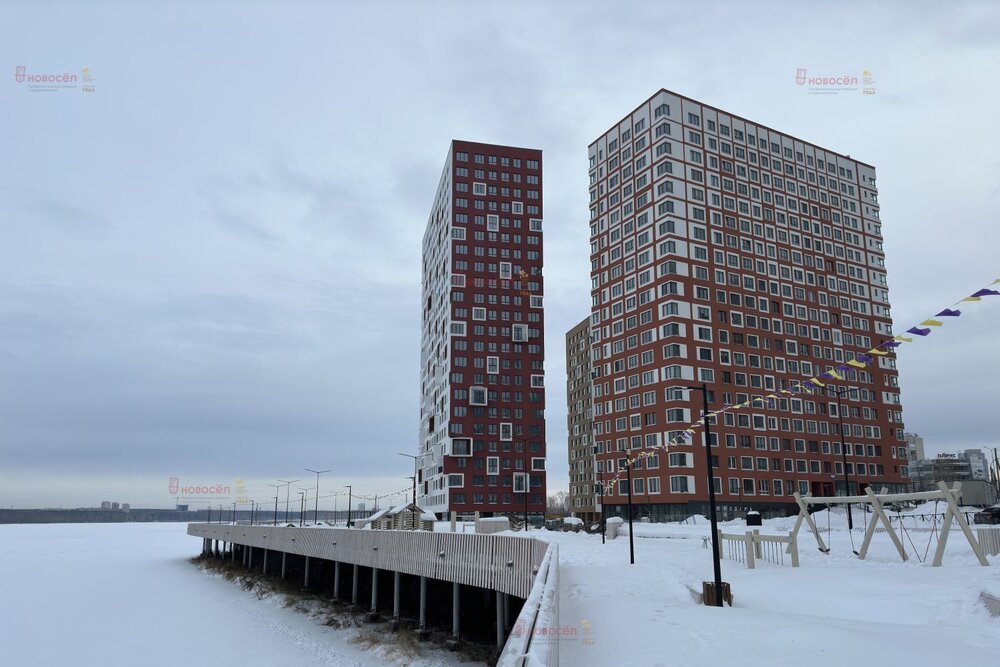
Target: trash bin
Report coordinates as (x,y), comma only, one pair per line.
(753,518)
(708,593)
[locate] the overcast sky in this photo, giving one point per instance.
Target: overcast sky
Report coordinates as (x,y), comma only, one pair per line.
(209,265)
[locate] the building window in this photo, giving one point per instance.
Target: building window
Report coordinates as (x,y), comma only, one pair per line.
(506,431)
(477,395)
(682,484)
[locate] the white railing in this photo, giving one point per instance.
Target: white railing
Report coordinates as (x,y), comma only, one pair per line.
(521,566)
(989,539)
(504,563)
(751,546)
(537,633)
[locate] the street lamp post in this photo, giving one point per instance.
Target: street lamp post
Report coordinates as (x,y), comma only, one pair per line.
(251,511)
(631,532)
(302,505)
(416,460)
(414,478)
(316,511)
(527,486)
(349,491)
(275,487)
(843,452)
(711,494)
(600,477)
(288,490)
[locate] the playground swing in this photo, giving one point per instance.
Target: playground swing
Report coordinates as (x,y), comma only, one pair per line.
(950,496)
(930,537)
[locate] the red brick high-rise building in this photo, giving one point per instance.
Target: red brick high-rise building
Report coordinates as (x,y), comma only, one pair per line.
(482,411)
(725,252)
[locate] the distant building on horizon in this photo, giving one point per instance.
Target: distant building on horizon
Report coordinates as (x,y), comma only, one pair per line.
(728,253)
(914,447)
(482,383)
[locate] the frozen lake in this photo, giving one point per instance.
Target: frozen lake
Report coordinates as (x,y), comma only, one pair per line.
(110,595)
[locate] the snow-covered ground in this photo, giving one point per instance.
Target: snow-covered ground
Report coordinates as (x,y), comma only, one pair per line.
(833,610)
(124,595)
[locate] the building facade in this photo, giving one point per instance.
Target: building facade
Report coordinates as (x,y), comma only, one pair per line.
(914,447)
(727,253)
(967,465)
(583,502)
(482,382)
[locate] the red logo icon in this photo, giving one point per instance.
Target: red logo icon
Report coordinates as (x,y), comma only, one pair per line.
(800,76)
(175,485)
(19,73)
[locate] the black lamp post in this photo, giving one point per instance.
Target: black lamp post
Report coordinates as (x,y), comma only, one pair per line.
(843,452)
(527,486)
(316,511)
(349,490)
(711,494)
(288,491)
(416,460)
(600,478)
(631,538)
(414,478)
(275,487)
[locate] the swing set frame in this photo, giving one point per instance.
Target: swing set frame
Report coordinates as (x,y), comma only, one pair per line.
(877,502)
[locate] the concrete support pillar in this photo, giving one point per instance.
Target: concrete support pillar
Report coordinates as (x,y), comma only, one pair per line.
(374,589)
(264,568)
(305,579)
(354,586)
(284,563)
(455,610)
(454,516)
(232,552)
(499,597)
(250,558)
(506,612)
(423,603)
(395,595)
(336,580)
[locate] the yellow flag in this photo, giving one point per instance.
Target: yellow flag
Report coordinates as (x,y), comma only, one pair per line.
(875,350)
(932,323)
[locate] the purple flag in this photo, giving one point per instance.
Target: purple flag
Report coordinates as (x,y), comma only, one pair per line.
(948,312)
(917,331)
(987,292)
(865,359)
(889,343)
